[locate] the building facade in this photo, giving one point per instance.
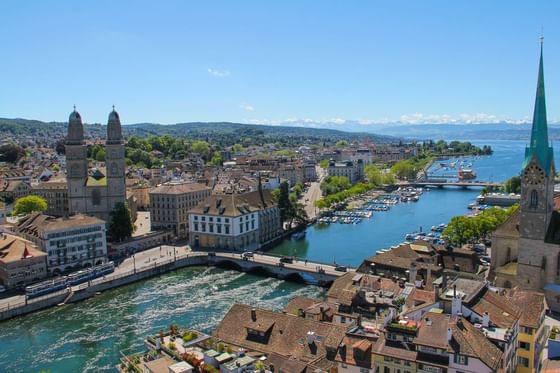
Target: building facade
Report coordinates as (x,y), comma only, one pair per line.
(71,243)
(235,222)
(96,192)
(354,171)
(56,195)
(21,261)
(171,202)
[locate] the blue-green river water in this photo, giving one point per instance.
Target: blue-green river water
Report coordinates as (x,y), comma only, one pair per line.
(88,336)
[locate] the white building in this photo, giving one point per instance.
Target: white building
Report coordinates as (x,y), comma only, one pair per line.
(239,222)
(70,243)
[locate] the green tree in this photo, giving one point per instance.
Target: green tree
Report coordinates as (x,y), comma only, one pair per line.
(374,175)
(324,164)
(29,204)
(216,160)
(201,148)
(513,185)
(237,148)
(341,143)
(11,153)
(100,155)
(120,225)
(284,203)
(335,184)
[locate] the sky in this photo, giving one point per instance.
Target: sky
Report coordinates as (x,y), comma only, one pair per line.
(278,61)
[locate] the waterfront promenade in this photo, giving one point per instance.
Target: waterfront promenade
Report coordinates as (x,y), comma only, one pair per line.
(162,259)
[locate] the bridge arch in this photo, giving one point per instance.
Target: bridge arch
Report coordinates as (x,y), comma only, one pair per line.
(295,277)
(229,264)
(260,270)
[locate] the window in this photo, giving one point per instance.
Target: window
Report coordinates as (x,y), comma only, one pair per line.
(525,345)
(460,359)
(526,330)
(534,199)
(227,229)
(523,361)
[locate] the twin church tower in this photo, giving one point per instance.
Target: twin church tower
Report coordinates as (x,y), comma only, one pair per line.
(95,192)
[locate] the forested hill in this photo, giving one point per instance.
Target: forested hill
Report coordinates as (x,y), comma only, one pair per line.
(236,132)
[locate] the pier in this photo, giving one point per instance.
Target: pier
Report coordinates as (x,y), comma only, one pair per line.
(159,260)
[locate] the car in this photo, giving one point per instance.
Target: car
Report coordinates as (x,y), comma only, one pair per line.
(340,268)
(2,289)
(248,254)
(286,259)
(211,253)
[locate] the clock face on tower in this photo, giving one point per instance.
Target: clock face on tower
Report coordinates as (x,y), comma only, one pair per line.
(533,175)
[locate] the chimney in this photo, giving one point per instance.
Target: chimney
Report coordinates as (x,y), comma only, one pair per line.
(449,334)
(486,319)
(412,273)
(253,314)
(310,338)
(429,281)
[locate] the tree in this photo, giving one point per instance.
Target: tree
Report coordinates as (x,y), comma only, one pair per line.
(216,160)
(341,143)
(29,204)
(237,148)
(120,225)
(11,153)
(201,148)
(335,184)
(324,164)
(513,185)
(100,155)
(374,175)
(284,203)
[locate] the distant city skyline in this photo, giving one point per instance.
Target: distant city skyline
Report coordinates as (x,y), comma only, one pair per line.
(312,63)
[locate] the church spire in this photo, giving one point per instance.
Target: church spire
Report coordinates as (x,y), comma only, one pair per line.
(540,147)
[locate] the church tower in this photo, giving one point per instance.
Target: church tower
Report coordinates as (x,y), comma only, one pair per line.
(114,161)
(76,164)
(537,175)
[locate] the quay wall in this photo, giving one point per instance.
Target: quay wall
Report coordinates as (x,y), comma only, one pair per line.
(85,290)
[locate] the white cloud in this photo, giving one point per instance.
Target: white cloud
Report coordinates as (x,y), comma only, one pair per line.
(247,107)
(218,73)
(415,118)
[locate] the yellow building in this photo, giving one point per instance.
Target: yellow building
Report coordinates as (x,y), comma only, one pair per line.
(531,329)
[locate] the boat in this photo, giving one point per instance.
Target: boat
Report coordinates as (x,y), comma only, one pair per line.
(466,174)
(298,235)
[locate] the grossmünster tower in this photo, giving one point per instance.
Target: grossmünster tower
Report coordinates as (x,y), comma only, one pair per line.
(95,191)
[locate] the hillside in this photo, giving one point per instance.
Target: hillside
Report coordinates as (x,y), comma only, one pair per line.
(234,132)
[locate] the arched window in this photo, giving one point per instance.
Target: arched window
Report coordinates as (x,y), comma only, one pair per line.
(534,199)
(96,197)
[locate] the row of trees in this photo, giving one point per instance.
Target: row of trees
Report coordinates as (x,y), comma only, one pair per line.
(463,229)
(512,185)
(290,209)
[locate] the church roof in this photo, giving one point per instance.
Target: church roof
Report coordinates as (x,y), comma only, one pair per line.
(540,148)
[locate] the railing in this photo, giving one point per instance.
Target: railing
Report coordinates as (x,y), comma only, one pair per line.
(97,281)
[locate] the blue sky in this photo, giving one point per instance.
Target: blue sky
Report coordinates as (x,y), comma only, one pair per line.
(282,61)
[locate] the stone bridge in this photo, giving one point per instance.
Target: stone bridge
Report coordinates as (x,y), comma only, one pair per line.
(298,270)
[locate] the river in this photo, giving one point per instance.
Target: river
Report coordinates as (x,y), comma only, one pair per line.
(88,336)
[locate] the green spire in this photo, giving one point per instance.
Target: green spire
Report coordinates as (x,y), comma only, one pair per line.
(540,147)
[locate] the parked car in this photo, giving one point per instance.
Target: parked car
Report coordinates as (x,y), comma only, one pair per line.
(286,259)
(340,268)
(248,254)
(2,289)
